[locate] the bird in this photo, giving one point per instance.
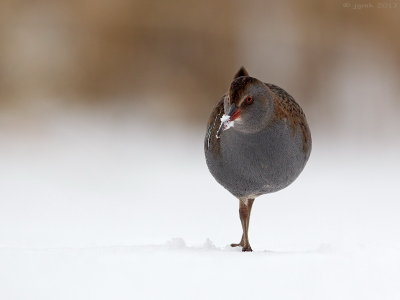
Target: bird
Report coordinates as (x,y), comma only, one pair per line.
(257,142)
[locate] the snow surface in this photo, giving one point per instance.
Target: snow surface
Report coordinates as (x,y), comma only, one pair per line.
(97,210)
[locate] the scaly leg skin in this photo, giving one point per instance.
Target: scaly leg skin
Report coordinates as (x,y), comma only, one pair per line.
(245,206)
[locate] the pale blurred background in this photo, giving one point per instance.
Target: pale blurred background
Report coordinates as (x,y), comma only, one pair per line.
(103,108)
(103,99)
(104,102)
(171,60)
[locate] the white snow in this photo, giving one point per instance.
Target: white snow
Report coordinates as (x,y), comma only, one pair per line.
(226,123)
(225,118)
(91,210)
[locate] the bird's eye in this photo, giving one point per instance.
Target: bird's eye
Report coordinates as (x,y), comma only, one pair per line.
(249,100)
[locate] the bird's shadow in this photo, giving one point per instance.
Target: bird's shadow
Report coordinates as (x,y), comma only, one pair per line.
(208,245)
(322,249)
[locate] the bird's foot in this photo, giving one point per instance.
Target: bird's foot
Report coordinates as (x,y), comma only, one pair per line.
(247,248)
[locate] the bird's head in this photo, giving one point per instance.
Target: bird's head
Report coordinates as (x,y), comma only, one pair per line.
(248,106)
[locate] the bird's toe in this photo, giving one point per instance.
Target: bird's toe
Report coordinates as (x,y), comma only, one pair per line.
(247,249)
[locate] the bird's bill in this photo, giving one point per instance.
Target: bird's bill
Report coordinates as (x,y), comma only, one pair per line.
(228,120)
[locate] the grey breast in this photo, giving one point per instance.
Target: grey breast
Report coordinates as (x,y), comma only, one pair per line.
(260,163)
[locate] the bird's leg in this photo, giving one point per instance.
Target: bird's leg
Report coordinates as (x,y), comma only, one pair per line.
(245,206)
(243,216)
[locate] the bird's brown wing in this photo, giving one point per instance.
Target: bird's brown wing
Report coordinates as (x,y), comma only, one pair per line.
(211,143)
(288,108)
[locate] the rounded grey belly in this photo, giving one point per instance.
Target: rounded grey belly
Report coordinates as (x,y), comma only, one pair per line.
(252,165)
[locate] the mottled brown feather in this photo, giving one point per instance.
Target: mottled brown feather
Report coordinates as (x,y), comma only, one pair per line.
(287,108)
(238,87)
(242,72)
(211,142)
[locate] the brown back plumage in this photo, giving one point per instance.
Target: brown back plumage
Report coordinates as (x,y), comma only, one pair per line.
(287,107)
